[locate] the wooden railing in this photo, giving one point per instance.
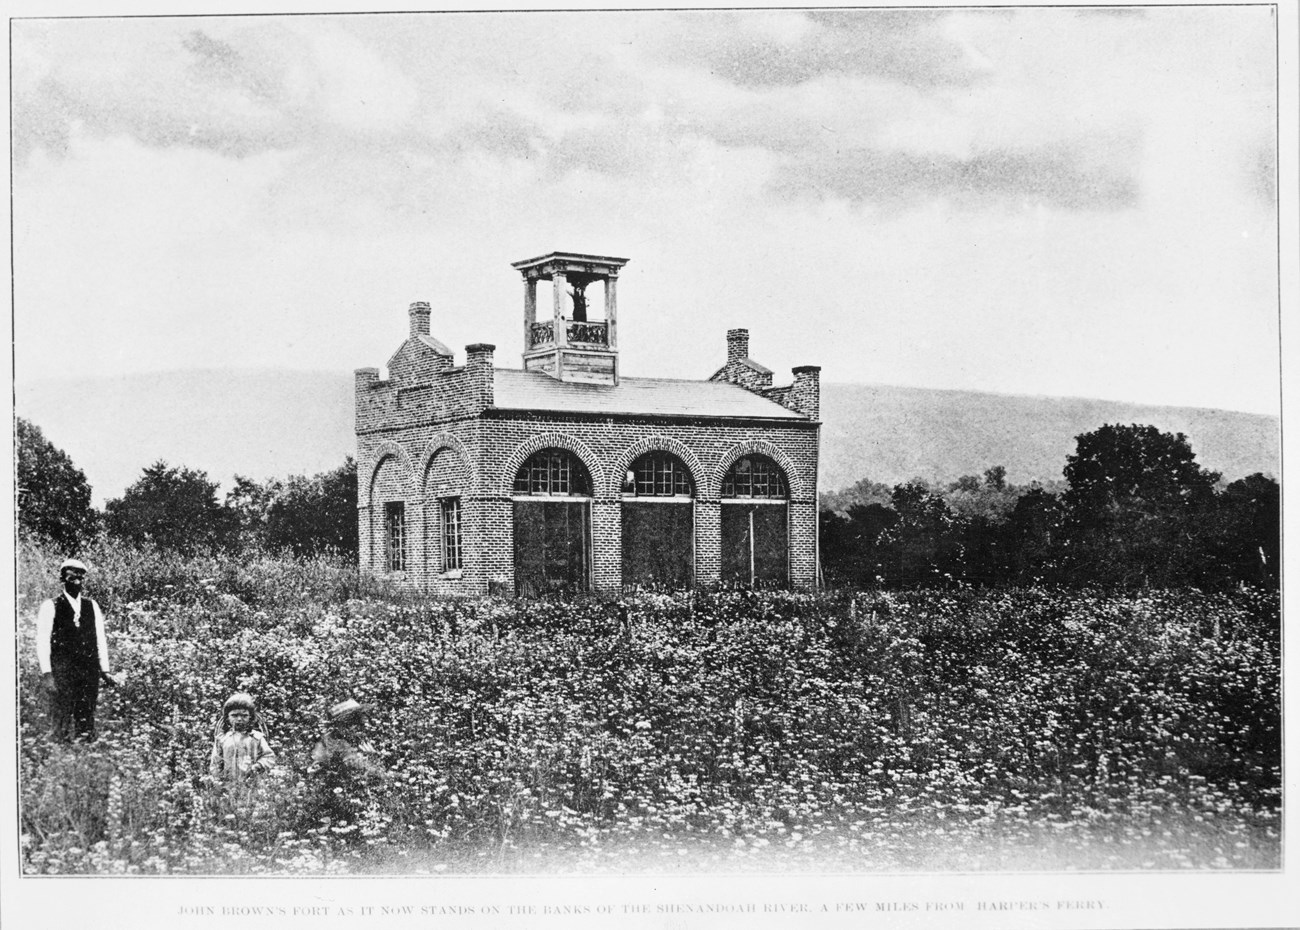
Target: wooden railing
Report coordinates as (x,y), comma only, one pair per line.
(542,333)
(595,333)
(591,333)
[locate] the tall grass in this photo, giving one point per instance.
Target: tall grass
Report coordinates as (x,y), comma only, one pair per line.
(955,729)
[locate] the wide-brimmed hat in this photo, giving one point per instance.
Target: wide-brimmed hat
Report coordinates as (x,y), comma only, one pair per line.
(349,710)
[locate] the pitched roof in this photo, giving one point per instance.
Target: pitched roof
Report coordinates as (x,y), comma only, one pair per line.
(748,363)
(435,345)
(424,341)
(530,390)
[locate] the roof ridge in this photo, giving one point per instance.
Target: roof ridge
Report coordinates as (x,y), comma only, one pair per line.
(519,389)
(624,378)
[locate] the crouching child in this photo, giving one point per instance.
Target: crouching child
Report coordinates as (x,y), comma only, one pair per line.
(344,748)
(346,771)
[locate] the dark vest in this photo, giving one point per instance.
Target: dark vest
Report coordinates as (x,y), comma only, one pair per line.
(70,643)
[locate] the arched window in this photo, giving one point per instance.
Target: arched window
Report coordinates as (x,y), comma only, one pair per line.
(658,523)
(658,474)
(553,473)
(755,476)
(552,509)
(755,531)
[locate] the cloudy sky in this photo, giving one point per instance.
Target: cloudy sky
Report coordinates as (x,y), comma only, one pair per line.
(1043,201)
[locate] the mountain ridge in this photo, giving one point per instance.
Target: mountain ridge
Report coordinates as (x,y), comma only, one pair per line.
(266,423)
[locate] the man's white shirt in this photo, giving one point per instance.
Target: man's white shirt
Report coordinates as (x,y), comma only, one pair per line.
(45,629)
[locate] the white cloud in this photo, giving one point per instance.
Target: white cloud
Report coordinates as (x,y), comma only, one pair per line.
(360,92)
(852,186)
(784,27)
(218,84)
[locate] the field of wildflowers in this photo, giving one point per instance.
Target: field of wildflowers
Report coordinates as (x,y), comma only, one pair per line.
(954,729)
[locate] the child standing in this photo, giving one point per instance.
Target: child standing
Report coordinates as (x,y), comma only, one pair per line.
(239,749)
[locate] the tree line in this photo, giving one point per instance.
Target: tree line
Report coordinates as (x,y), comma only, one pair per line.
(1134,509)
(179,509)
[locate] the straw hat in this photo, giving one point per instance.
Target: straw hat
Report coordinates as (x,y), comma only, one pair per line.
(349,710)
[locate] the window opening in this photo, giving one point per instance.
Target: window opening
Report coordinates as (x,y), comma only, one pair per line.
(755,476)
(553,473)
(658,474)
(451,539)
(395,536)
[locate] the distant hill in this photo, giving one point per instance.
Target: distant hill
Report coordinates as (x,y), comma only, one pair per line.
(262,424)
(891,434)
(271,423)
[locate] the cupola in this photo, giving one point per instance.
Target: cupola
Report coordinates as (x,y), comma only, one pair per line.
(575,343)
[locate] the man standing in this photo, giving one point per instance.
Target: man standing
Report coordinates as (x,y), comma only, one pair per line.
(72,649)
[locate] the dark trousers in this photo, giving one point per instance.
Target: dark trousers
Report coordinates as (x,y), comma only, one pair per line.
(72,706)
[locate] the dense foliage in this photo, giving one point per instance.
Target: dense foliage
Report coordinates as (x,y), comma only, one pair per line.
(962,729)
(1136,506)
(171,508)
(309,516)
(177,509)
(53,495)
(1135,511)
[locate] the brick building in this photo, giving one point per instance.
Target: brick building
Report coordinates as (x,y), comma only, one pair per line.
(566,476)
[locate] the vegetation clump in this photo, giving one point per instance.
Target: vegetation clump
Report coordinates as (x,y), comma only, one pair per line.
(954,729)
(1134,511)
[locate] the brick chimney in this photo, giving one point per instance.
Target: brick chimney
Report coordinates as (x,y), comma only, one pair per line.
(478,371)
(419,319)
(737,345)
(365,403)
(806,393)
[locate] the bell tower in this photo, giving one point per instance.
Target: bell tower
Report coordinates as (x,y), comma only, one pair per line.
(572,345)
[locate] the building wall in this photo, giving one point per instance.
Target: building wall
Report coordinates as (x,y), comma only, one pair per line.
(480,455)
(437,462)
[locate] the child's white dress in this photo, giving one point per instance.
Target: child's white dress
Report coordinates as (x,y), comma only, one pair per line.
(235,755)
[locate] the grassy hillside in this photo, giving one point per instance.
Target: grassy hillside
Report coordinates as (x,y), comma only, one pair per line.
(891,434)
(276,423)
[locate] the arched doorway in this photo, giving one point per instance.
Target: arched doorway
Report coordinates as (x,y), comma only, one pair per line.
(389,531)
(552,509)
(658,523)
(755,526)
(445,480)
